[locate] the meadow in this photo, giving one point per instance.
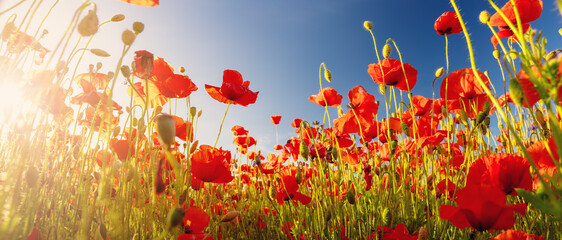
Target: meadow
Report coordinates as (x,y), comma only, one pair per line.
(75,164)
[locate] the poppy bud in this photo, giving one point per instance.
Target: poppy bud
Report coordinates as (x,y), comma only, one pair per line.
(513,54)
(99,53)
(382,89)
(334,154)
(327,75)
(8,30)
(175,217)
(298,176)
(423,234)
(166,128)
(192,111)
(193,146)
(484,17)
(462,117)
(550,55)
(405,128)
(496,53)
(138,27)
(230,216)
(182,69)
(271,193)
(126,71)
(340,111)
(329,213)
(392,146)
(131,173)
(116,131)
(118,18)
(385,216)
(89,24)
(486,109)
(516,92)
(386,50)
(560,31)
(199,113)
(303,150)
(540,117)
(369,25)
(128,37)
(439,72)
(480,117)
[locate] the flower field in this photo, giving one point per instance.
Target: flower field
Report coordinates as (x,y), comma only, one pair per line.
(468,160)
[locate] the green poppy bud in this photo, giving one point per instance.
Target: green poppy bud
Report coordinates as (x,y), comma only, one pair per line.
(350,195)
(182,69)
(386,50)
(550,55)
(138,27)
(540,117)
(516,92)
(496,53)
(369,25)
(486,109)
(462,117)
(89,24)
(484,17)
(126,71)
(405,128)
(128,37)
(480,117)
(382,89)
(439,72)
(298,176)
(118,18)
(230,216)
(175,217)
(166,129)
(303,150)
(327,75)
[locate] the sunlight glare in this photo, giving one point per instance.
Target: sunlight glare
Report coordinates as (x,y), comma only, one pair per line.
(11,100)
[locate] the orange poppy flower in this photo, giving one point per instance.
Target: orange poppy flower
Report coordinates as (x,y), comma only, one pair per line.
(516,235)
(326,96)
(421,105)
(144,3)
(182,128)
(99,80)
(92,97)
(507,32)
(233,90)
(530,94)
(363,110)
(501,170)
(393,74)
(287,188)
(462,84)
(210,164)
(448,23)
(121,148)
(275,119)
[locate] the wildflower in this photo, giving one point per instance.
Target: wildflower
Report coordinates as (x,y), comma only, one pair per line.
(502,170)
(399,232)
(233,90)
(211,164)
(275,119)
(448,23)
(364,108)
(393,74)
(287,188)
(194,222)
(528,10)
(481,207)
(516,235)
(463,89)
(326,97)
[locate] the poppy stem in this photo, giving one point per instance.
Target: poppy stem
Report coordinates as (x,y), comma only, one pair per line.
(222,122)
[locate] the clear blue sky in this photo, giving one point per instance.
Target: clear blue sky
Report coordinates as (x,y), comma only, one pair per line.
(279,45)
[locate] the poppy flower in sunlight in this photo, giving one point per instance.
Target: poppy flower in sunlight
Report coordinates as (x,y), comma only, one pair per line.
(530,95)
(275,119)
(516,235)
(211,164)
(446,187)
(92,97)
(296,123)
(155,97)
(393,74)
(502,170)
(183,128)
(121,148)
(507,32)
(98,80)
(194,222)
(287,187)
(448,23)
(363,110)
(399,232)
(422,105)
(540,153)
(233,90)
(463,84)
(326,97)
(481,207)
(529,10)
(238,130)
(144,3)
(144,61)
(170,85)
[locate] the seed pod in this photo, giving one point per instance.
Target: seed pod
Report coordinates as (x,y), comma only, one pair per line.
(128,37)
(166,129)
(484,17)
(89,24)
(369,25)
(439,72)
(386,50)
(118,18)
(175,217)
(230,216)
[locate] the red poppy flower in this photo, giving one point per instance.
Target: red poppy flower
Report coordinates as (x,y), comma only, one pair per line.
(399,232)
(92,97)
(507,32)
(481,207)
(182,128)
(121,148)
(244,141)
(447,188)
(363,110)
(530,94)
(502,170)
(144,61)
(296,123)
(529,10)
(34,235)
(275,119)
(210,164)
(144,3)
(287,187)
(463,84)
(195,221)
(393,74)
(517,235)
(541,156)
(99,80)
(448,23)
(238,130)
(233,89)
(421,105)
(326,96)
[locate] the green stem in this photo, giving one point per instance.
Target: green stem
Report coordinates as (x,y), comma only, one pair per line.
(222,122)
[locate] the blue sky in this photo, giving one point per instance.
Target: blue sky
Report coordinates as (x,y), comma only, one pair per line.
(279,45)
